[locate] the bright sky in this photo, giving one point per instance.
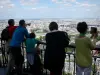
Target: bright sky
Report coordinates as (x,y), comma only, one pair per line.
(30,9)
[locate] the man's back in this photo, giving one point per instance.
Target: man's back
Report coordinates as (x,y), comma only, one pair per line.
(18,36)
(57,40)
(83,51)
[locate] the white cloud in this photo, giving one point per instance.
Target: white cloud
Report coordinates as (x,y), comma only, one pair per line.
(88,10)
(63,1)
(34,8)
(78,3)
(28,2)
(87,5)
(70,3)
(54,0)
(69,0)
(6,4)
(11,5)
(39,8)
(1,6)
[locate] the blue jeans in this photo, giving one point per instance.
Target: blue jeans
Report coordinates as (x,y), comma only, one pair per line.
(83,71)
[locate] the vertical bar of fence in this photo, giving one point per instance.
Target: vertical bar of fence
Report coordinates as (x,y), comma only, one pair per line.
(22,49)
(2,55)
(94,70)
(46,73)
(1,52)
(69,62)
(41,52)
(74,62)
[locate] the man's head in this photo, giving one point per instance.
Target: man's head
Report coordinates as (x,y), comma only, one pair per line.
(11,22)
(82,27)
(53,26)
(22,23)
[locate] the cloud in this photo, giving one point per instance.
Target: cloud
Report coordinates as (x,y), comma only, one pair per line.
(63,1)
(73,2)
(6,4)
(34,8)
(28,2)
(1,6)
(85,4)
(88,10)
(68,4)
(69,0)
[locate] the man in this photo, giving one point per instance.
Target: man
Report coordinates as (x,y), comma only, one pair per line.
(56,42)
(11,29)
(15,46)
(7,32)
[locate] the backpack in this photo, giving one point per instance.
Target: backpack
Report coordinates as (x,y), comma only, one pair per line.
(5,34)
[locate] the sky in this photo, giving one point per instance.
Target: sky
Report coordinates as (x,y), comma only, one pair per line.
(31,9)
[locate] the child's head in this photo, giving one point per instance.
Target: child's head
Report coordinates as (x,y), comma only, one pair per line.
(82,27)
(32,35)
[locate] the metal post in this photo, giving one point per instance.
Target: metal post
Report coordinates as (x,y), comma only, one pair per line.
(94,71)
(74,62)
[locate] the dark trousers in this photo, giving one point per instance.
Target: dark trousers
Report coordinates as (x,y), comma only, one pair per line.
(18,59)
(56,73)
(36,68)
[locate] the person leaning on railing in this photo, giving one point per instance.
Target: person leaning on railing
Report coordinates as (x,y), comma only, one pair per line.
(56,42)
(15,47)
(83,51)
(32,54)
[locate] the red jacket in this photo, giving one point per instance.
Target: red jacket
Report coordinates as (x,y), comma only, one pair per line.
(11,30)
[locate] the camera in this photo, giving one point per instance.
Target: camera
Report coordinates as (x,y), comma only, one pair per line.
(28,24)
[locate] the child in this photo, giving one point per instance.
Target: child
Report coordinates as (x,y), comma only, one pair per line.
(32,55)
(83,51)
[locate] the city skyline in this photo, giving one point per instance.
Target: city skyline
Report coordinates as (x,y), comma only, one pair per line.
(31,9)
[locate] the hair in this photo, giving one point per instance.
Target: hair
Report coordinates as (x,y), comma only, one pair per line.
(11,21)
(53,26)
(93,30)
(21,22)
(82,27)
(32,35)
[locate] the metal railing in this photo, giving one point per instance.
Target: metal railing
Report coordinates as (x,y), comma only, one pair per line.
(69,60)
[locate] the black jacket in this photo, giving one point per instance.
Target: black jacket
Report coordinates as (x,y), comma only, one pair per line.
(56,42)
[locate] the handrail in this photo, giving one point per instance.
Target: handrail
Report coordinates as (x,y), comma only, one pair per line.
(96,48)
